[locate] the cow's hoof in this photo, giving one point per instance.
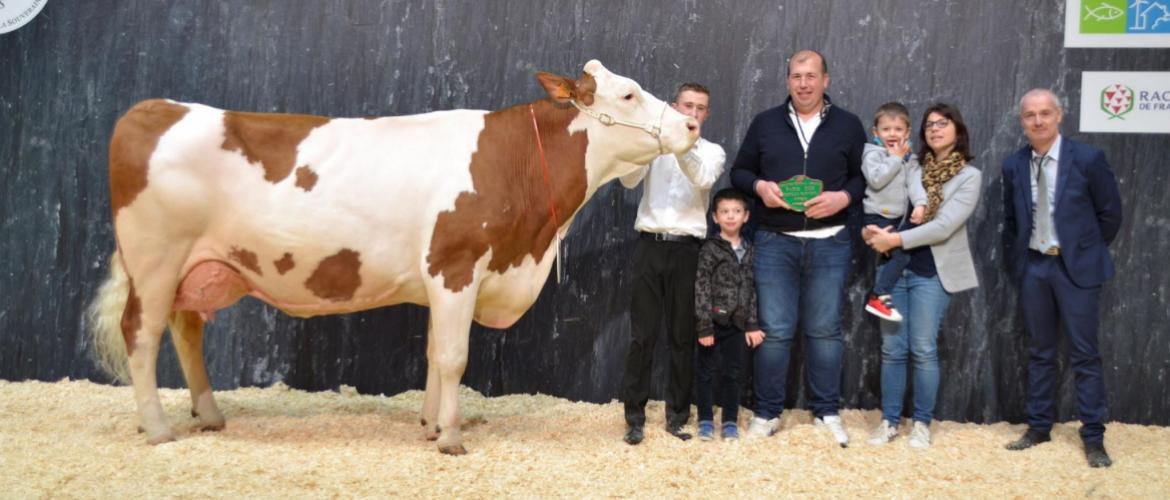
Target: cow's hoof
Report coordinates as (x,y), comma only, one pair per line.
(210,426)
(430,433)
(455,449)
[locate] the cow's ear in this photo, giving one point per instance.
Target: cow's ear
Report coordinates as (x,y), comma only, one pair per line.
(559,88)
(585,88)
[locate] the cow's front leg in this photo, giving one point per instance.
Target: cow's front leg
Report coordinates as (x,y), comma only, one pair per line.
(451,323)
(430,408)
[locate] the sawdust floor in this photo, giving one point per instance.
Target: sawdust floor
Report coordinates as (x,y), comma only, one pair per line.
(77,439)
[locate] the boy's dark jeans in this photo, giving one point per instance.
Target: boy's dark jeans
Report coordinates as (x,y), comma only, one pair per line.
(888,272)
(730,347)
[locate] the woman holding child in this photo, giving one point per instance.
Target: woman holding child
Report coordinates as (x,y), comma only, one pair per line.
(940,265)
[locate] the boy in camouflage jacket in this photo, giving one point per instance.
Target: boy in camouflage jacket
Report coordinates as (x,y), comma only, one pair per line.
(725,311)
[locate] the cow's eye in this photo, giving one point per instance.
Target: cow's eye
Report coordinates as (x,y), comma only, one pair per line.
(628,97)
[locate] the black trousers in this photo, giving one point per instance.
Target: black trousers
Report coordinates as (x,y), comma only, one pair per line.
(730,348)
(663,289)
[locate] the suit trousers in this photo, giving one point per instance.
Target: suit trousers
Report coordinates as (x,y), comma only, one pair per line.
(663,292)
(1055,307)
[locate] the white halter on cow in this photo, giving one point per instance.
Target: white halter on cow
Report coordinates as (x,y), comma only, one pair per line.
(452,209)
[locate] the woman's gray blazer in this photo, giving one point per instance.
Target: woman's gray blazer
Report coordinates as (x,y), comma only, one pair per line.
(946,233)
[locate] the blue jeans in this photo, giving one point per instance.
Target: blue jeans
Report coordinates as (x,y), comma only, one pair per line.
(799,282)
(888,272)
(922,301)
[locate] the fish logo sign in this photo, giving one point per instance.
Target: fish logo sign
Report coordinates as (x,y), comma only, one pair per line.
(1116,100)
(1102,12)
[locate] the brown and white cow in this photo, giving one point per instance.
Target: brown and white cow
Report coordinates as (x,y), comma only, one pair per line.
(314,215)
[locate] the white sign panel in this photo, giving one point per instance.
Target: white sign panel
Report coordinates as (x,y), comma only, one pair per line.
(1117,23)
(17,13)
(1136,102)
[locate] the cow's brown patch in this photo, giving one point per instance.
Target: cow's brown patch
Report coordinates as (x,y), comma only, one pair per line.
(285,264)
(337,276)
(131,319)
(133,142)
(509,209)
(270,139)
(246,258)
(306,178)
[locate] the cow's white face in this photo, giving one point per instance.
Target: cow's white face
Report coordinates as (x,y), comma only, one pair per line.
(626,124)
(625,100)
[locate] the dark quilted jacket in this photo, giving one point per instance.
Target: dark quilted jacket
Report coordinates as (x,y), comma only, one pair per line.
(725,291)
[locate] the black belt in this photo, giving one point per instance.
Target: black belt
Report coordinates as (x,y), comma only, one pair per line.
(667,237)
(1052,252)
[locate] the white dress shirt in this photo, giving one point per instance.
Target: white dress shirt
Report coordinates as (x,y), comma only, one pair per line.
(676,190)
(1051,164)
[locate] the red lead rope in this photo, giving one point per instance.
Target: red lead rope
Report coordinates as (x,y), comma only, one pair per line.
(552,207)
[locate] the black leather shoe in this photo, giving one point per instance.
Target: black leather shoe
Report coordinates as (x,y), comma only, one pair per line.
(676,431)
(634,434)
(1031,438)
(1095,454)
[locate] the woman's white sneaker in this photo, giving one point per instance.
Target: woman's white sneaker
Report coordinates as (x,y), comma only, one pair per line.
(920,435)
(762,427)
(883,434)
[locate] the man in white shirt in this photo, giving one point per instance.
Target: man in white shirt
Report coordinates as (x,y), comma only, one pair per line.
(671,224)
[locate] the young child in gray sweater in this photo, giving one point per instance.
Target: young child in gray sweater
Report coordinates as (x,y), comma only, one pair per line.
(888,165)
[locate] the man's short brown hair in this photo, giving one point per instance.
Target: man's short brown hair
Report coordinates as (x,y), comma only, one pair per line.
(802,55)
(693,87)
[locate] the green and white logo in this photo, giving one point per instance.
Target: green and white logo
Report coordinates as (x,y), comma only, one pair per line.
(1116,100)
(1103,16)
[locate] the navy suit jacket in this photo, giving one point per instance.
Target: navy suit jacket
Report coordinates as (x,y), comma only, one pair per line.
(1087,213)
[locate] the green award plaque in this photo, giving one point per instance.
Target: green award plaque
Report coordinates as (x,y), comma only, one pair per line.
(799,189)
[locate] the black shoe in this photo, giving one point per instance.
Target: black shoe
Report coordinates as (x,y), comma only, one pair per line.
(676,431)
(1031,438)
(634,434)
(1095,454)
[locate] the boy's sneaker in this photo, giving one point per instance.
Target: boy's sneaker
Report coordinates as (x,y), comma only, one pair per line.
(883,307)
(730,431)
(761,427)
(833,424)
(883,434)
(706,430)
(920,435)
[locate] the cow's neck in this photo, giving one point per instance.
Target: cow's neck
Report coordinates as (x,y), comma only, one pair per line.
(569,182)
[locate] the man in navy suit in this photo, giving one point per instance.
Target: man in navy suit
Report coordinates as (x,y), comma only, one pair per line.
(1062,208)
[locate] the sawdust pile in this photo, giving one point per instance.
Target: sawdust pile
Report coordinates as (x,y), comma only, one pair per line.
(78,439)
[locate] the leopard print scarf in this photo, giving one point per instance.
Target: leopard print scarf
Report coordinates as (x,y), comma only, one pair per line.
(934,175)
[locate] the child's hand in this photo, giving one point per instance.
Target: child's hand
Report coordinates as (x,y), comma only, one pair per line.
(754,337)
(707,341)
(899,149)
(918,213)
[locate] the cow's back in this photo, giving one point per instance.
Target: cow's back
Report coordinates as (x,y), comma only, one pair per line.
(317,214)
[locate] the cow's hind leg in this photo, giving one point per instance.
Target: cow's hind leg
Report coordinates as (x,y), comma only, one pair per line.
(142,325)
(187,334)
(451,315)
(430,408)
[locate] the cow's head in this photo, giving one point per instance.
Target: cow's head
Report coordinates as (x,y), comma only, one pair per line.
(626,123)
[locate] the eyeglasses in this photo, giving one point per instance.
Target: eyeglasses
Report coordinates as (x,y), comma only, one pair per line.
(939,123)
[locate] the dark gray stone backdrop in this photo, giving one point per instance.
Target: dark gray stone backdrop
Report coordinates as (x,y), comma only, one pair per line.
(66,78)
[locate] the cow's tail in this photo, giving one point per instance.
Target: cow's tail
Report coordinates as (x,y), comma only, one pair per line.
(104,316)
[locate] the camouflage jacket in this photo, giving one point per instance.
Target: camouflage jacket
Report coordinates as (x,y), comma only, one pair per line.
(725,291)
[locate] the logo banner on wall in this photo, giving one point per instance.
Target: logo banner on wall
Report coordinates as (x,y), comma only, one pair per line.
(1117,23)
(1136,102)
(17,13)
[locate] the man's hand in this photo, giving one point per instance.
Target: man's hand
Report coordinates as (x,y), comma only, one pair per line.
(826,204)
(707,341)
(754,337)
(770,192)
(918,213)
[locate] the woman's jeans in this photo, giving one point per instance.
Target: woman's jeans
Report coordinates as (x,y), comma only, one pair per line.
(922,302)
